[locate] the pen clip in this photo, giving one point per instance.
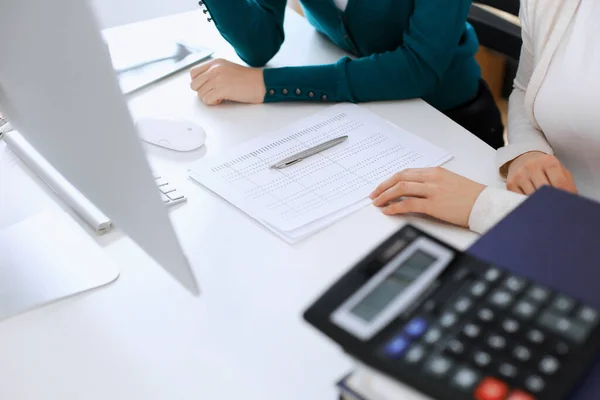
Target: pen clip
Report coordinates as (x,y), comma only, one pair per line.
(287,164)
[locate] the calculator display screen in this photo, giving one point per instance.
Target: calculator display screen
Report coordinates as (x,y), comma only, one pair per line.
(393,288)
(402,277)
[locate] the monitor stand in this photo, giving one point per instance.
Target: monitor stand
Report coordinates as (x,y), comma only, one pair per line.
(46,258)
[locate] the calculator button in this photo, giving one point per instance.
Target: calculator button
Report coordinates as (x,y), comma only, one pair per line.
(510,326)
(492,275)
(448,319)
(514,284)
(564,327)
(478,289)
(561,349)
(508,371)
(397,347)
(465,379)
(538,294)
(461,274)
(486,315)
(521,353)
(430,306)
(433,335)
(534,384)
(455,348)
(491,389)
(463,305)
(563,304)
(548,365)
(519,395)
(416,328)
(482,359)
(438,366)
(496,342)
(587,315)
(535,337)
(502,299)
(525,309)
(471,331)
(415,354)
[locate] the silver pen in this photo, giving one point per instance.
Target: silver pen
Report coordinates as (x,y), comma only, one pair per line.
(296,158)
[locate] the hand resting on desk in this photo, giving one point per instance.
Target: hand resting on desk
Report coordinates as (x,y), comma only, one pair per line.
(530,171)
(219,80)
(436,192)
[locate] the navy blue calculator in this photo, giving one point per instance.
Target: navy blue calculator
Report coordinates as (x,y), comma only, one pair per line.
(455,327)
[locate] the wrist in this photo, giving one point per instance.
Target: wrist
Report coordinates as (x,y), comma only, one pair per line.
(522,158)
(261,88)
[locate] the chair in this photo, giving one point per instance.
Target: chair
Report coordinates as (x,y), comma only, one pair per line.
(495,32)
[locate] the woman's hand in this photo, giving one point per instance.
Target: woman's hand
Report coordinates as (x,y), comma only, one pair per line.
(433,191)
(219,80)
(531,171)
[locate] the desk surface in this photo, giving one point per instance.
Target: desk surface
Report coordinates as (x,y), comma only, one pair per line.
(144,337)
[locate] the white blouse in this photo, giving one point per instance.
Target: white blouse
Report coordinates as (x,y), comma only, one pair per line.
(567,111)
(341,4)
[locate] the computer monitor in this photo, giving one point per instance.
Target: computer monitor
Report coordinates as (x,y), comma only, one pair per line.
(58,88)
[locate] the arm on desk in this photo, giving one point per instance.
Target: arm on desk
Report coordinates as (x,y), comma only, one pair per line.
(445,195)
(253,27)
(412,70)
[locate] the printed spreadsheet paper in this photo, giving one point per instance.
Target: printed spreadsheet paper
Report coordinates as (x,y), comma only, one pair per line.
(299,200)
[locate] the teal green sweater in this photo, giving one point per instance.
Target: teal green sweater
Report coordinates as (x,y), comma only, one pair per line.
(404,49)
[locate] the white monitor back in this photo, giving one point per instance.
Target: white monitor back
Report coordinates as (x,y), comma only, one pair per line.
(58,88)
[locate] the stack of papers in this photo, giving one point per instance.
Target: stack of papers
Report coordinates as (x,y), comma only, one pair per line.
(302,199)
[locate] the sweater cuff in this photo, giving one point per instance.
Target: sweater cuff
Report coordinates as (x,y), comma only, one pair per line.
(491,206)
(310,83)
(508,153)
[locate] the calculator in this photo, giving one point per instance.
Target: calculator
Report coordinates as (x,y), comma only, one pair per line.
(455,327)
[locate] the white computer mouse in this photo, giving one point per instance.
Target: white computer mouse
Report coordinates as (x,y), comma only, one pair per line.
(178,135)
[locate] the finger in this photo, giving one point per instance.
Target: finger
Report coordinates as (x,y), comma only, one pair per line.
(412,205)
(571,188)
(200,69)
(526,186)
(539,179)
(513,186)
(402,188)
(207,87)
(205,96)
(199,81)
(561,178)
(212,98)
(412,175)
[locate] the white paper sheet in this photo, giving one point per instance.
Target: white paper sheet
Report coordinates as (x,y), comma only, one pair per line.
(299,200)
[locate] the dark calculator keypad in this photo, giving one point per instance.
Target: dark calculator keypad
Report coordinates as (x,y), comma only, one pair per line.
(498,334)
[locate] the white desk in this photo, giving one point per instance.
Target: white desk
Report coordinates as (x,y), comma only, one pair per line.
(243,338)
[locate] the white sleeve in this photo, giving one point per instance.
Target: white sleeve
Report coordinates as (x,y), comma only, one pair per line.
(491,206)
(523,136)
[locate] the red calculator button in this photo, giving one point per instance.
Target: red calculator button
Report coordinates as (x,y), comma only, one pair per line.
(491,389)
(518,395)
